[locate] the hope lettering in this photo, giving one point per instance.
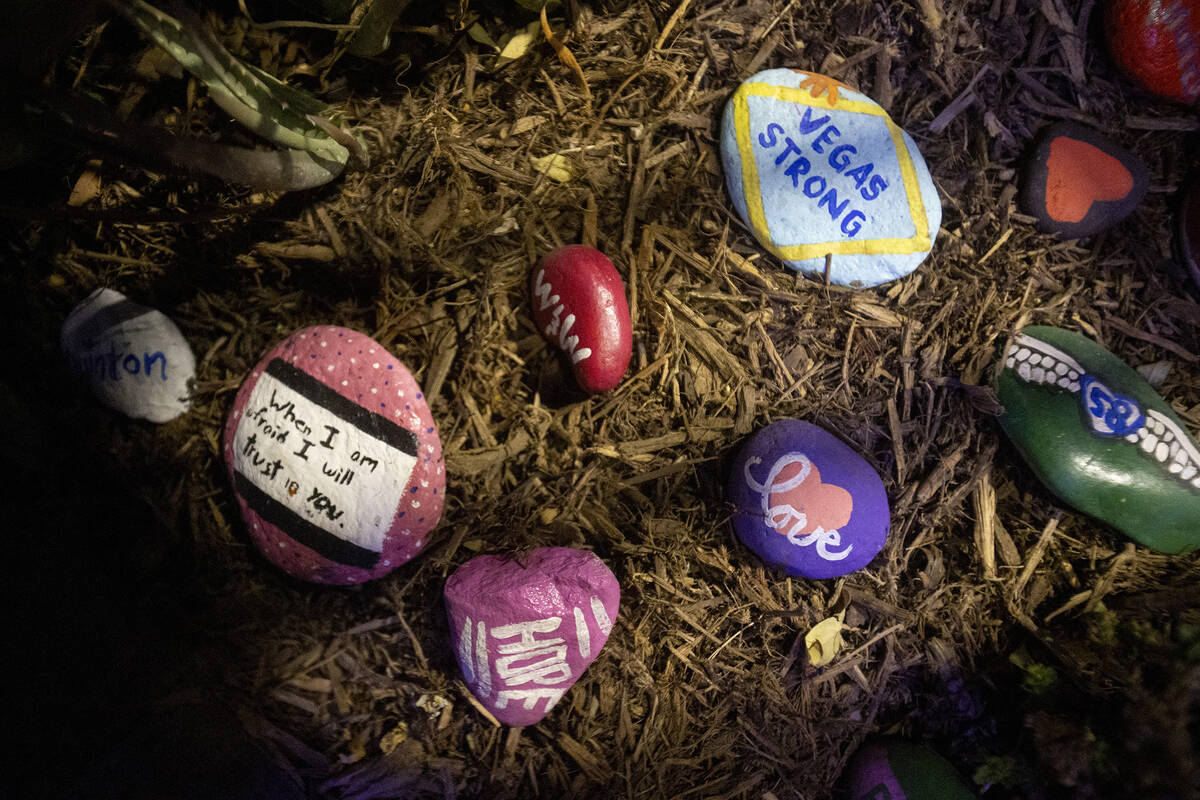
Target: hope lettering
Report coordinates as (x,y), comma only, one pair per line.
(867,182)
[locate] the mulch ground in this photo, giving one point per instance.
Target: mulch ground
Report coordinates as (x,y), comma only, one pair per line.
(1031,645)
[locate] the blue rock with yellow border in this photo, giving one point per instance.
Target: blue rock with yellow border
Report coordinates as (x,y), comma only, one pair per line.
(817,169)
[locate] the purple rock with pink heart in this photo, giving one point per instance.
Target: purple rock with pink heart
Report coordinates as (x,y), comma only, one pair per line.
(806,502)
(525,628)
(334,458)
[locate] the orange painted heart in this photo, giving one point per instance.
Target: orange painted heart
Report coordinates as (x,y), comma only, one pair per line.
(799,503)
(1079,174)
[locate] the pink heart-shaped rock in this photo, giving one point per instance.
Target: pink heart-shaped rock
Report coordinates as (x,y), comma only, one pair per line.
(524,631)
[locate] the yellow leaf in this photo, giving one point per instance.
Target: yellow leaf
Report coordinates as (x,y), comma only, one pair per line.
(356,748)
(392,739)
(556,166)
(824,640)
(519,44)
(87,187)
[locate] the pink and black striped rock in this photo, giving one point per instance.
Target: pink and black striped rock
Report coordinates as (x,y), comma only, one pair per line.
(525,630)
(579,305)
(334,458)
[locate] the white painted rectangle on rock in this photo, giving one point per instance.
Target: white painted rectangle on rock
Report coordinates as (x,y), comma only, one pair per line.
(321,467)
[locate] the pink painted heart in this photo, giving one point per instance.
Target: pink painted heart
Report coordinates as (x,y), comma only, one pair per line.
(800,503)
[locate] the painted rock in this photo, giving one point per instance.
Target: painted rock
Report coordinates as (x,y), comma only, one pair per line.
(891,769)
(334,458)
(1157,43)
(805,502)
(579,306)
(1187,231)
(1101,438)
(526,630)
(1077,183)
(134,358)
(815,168)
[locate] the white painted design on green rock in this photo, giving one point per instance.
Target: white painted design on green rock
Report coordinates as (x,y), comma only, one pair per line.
(1037,362)
(1159,438)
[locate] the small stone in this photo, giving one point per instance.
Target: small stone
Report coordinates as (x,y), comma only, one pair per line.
(807,503)
(334,458)
(899,770)
(579,306)
(1077,183)
(526,629)
(816,169)
(1157,43)
(1187,231)
(134,358)
(1095,442)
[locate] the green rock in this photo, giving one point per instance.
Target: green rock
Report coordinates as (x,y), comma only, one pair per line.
(1101,438)
(893,769)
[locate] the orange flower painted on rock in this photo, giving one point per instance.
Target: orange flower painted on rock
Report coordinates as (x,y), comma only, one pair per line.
(822,84)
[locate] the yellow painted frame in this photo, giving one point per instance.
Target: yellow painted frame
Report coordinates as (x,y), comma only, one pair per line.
(918,243)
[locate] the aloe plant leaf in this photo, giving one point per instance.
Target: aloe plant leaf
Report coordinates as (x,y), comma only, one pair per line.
(274,170)
(260,102)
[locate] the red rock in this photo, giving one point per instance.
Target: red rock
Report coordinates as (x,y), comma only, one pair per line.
(1157,43)
(579,305)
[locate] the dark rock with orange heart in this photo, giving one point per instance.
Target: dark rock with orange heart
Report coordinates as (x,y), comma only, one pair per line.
(804,501)
(1076,182)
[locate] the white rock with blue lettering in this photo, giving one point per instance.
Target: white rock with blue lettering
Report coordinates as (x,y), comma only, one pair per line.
(134,358)
(817,169)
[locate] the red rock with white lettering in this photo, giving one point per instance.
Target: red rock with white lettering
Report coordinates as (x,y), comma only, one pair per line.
(579,306)
(334,458)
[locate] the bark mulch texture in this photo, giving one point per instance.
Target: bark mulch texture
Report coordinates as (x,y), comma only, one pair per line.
(1007,630)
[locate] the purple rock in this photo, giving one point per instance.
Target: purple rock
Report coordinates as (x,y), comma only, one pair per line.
(526,630)
(806,502)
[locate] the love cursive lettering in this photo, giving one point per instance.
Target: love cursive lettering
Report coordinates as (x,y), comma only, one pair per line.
(799,506)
